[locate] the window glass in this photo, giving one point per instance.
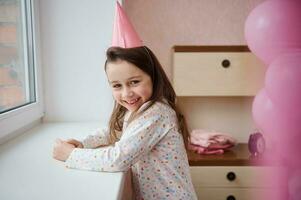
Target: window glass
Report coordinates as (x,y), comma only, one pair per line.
(17,80)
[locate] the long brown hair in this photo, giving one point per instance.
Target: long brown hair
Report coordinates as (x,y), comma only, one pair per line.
(144,59)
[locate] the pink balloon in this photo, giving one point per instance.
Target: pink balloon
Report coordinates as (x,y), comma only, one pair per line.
(261,109)
(271,119)
(273,28)
(283,130)
(283,83)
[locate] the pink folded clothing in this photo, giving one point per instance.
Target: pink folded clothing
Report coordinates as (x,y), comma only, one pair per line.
(220,146)
(206,138)
(205,142)
(204,150)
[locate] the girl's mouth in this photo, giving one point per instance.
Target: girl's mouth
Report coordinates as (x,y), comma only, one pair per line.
(132,102)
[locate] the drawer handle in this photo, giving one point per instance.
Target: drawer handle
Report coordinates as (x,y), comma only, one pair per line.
(231,197)
(231,176)
(226,63)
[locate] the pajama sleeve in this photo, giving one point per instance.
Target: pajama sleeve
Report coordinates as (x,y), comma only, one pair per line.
(98,138)
(138,139)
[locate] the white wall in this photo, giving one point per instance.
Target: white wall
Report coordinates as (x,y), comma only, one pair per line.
(74,37)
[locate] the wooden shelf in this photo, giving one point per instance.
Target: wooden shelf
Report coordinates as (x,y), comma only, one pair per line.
(236,156)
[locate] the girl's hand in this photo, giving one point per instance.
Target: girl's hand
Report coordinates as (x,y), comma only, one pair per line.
(62,150)
(76,143)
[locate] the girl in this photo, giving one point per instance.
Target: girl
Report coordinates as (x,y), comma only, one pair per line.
(146,132)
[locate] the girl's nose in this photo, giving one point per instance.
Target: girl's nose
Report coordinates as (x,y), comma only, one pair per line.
(127,93)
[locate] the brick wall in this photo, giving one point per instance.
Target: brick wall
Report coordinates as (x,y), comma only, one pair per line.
(11,83)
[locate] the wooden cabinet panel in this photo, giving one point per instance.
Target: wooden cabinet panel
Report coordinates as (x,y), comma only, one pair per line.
(244,176)
(253,177)
(217,73)
(238,194)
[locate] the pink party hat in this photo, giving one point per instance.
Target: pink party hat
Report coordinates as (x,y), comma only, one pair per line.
(124,34)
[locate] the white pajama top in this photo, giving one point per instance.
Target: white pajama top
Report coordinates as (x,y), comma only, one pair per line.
(151,146)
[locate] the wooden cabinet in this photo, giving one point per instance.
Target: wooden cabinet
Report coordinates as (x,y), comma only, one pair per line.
(234,176)
(216,71)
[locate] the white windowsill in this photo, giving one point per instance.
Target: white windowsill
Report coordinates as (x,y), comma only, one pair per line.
(19,120)
(28,171)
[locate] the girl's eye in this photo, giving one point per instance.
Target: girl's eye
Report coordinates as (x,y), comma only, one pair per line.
(116,86)
(134,82)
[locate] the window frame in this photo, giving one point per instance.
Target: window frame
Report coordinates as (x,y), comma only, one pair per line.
(16,121)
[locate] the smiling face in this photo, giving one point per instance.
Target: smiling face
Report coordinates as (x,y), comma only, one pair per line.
(131,86)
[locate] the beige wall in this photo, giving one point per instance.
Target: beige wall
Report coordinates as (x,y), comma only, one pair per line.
(162,24)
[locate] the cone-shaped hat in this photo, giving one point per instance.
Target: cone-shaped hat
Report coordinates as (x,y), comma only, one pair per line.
(124,34)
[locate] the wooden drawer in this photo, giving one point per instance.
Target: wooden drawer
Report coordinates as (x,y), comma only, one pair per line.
(203,74)
(244,177)
(237,194)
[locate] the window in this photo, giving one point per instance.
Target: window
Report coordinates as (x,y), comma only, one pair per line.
(20,99)
(16,60)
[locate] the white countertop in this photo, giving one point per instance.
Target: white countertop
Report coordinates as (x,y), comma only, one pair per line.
(28,171)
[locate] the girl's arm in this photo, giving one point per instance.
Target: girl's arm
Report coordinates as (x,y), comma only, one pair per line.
(100,137)
(76,143)
(138,139)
